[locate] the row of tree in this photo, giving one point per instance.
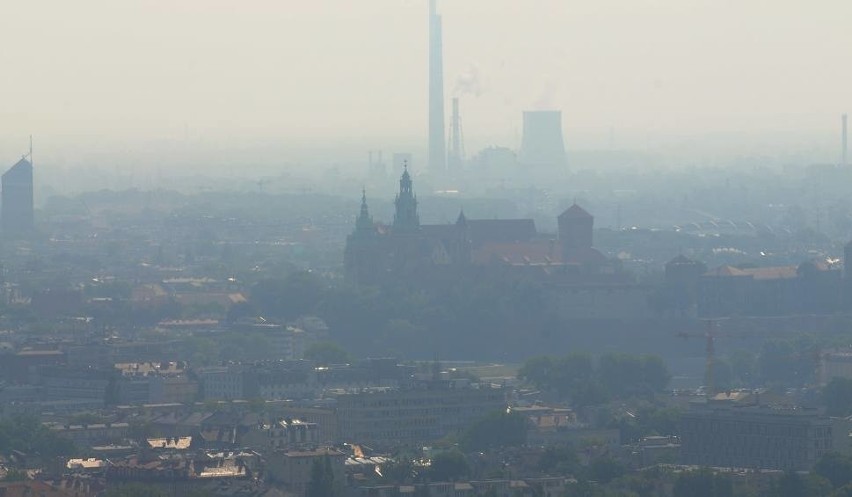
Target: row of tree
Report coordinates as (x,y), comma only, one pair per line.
(409,320)
(582,380)
(26,434)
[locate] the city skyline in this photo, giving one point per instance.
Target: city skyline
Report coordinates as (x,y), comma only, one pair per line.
(215,76)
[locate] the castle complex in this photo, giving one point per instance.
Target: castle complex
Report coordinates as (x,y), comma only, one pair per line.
(405,250)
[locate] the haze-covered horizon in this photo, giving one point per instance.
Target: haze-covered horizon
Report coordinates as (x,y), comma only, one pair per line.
(141,84)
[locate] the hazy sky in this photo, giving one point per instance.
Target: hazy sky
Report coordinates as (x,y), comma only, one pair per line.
(121,74)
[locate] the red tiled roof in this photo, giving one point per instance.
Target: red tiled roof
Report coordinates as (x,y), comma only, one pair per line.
(773,273)
(586,255)
(758,273)
(536,252)
(501,230)
(726,271)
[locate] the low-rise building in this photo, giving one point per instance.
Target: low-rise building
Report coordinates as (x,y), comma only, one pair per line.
(559,426)
(280,434)
(228,383)
(414,415)
(292,469)
(93,434)
(758,436)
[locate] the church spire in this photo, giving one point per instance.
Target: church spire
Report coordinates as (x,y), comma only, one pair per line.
(406,220)
(462,219)
(364,222)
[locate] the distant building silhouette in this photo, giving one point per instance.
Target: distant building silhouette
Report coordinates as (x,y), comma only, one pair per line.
(542,143)
(455,159)
(409,251)
(437,145)
(844,141)
(406,220)
(755,436)
(813,287)
(16,215)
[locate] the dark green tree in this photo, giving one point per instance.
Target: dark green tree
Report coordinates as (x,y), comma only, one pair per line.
(605,469)
(743,367)
(28,435)
(559,460)
(326,353)
(400,471)
(449,466)
(790,484)
(703,483)
(322,479)
(836,468)
(837,397)
(568,377)
(298,294)
(499,429)
(627,374)
(135,490)
(787,362)
(844,491)
(16,475)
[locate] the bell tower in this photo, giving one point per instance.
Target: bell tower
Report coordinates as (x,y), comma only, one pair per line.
(405,219)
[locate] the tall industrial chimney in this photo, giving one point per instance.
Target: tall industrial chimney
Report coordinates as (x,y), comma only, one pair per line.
(456,157)
(542,143)
(437,152)
(844,141)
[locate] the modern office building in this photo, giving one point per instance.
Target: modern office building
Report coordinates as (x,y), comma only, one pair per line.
(414,415)
(759,436)
(16,216)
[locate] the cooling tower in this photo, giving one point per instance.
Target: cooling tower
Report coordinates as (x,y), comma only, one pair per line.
(542,143)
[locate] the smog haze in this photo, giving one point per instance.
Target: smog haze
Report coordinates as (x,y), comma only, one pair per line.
(273,81)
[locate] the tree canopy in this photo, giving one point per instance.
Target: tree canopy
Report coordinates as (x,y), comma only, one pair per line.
(837,397)
(449,466)
(499,429)
(326,353)
(27,435)
(836,468)
(703,483)
(322,479)
(575,377)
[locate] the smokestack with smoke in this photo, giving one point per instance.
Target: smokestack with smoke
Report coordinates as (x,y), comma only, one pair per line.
(469,83)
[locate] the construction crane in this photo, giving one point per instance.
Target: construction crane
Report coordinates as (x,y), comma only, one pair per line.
(709,335)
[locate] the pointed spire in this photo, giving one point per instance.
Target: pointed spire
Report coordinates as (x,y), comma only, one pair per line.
(364,223)
(462,219)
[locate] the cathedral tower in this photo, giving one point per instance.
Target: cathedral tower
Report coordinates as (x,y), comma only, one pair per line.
(406,220)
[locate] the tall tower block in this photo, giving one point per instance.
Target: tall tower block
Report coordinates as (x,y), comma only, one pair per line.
(16,211)
(437,152)
(844,142)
